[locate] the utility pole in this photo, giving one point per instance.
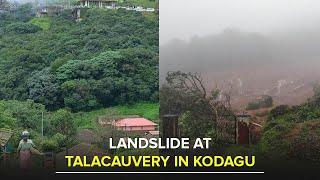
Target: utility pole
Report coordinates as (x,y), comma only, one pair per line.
(42,124)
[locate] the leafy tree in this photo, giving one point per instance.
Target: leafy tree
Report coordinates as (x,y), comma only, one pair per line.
(62,122)
(44,89)
(25,12)
(22,28)
(26,115)
(60,139)
(49,145)
(78,95)
(200,112)
(6,119)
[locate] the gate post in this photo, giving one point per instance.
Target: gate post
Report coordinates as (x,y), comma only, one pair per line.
(170,126)
(169,130)
(243,129)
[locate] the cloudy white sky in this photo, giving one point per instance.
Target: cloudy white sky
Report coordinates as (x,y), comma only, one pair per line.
(184,19)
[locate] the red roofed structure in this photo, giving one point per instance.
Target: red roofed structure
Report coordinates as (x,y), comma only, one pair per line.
(135,124)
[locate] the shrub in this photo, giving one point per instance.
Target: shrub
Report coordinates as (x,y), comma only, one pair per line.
(279,111)
(273,144)
(60,139)
(49,145)
(264,101)
(22,28)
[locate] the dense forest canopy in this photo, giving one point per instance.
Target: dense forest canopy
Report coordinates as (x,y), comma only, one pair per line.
(109,58)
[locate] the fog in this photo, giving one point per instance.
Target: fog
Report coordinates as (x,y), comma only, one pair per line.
(184,19)
(259,42)
(208,35)
(235,48)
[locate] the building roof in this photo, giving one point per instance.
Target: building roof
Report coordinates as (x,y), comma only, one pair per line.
(133,122)
(5,135)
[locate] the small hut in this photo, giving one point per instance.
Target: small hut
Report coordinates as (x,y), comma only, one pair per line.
(5,135)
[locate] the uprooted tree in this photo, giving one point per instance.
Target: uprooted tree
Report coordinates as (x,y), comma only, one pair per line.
(202,114)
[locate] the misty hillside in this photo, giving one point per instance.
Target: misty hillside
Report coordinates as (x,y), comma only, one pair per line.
(283,65)
(233,48)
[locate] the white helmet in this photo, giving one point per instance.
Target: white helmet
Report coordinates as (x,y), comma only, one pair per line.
(25,133)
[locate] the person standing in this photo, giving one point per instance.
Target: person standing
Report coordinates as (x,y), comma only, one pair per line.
(25,149)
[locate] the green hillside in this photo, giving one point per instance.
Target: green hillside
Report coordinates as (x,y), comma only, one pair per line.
(66,73)
(293,132)
(109,58)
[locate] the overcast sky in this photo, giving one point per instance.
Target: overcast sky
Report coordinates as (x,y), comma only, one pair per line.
(184,19)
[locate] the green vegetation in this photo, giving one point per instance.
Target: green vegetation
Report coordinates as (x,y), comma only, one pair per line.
(43,22)
(109,58)
(69,73)
(88,120)
(293,132)
(147,110)
(21,115)
(184,94)
(61,124)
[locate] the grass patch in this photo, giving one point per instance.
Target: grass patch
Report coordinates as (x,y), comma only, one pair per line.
(87,120)
(147,110)
(43,22)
